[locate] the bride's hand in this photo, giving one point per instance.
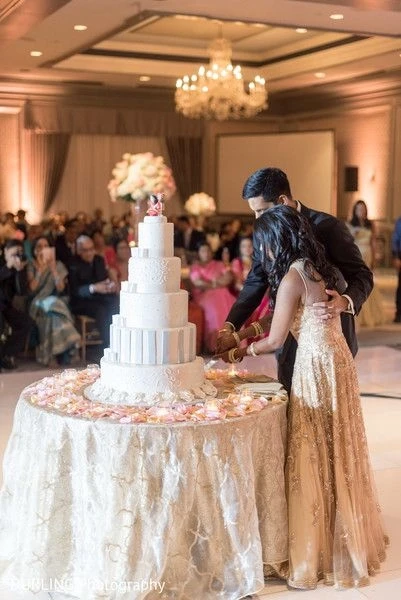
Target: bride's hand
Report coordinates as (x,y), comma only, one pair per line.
(232,356)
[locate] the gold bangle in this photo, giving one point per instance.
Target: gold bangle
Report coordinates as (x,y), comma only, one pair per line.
(231,356)
(236,337)
(227,327)
(257,327)
(252,349)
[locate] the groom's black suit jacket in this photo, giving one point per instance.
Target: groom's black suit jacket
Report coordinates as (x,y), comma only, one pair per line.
(342,252)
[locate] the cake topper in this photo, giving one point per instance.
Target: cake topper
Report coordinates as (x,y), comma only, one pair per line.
(155,204)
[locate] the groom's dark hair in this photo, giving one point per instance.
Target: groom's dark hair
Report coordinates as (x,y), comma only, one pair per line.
(270,183)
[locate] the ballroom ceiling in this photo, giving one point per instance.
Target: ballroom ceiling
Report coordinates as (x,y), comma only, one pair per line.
(149,44)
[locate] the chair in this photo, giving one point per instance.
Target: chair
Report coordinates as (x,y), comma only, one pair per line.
(89,334)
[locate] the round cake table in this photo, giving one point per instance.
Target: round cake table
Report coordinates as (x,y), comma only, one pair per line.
(101,510)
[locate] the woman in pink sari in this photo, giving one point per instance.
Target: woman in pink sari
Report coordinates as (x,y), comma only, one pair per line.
(210,282)
(240,268)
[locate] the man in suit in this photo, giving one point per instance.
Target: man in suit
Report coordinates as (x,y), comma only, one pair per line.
(66,249)
(13,282)
(91,291)
(264,189)
(187,238)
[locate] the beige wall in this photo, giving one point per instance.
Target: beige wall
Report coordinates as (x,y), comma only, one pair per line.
(363,138)
(367,135)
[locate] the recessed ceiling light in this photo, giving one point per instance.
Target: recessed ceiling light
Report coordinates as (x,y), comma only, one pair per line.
(80,27)
(259,25)
(320,75)
(301,30)
(144,78)
(337,17)
(36,53)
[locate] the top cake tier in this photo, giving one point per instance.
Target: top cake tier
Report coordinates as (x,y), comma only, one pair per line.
(156,236)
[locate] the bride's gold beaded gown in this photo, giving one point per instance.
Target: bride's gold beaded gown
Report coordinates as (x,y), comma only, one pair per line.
(335,528)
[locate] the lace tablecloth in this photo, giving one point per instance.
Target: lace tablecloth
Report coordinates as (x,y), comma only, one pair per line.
(103,510)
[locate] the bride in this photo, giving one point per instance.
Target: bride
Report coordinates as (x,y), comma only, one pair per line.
(335,528)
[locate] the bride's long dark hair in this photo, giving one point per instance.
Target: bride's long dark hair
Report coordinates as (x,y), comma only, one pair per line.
(283,236)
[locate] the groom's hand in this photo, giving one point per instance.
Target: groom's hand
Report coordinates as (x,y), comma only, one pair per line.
(225,341)
(331,308)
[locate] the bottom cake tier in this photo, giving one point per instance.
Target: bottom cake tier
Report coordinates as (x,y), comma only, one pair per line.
(150,384)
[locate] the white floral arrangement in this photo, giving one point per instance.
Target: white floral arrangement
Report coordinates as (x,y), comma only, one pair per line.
(200,204)
(137,176)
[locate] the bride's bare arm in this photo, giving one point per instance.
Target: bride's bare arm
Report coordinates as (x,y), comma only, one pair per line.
(289,295)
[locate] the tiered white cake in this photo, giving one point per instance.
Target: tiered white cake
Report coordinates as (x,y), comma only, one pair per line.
(152,355)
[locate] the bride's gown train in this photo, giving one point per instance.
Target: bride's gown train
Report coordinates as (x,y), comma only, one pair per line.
(335,529)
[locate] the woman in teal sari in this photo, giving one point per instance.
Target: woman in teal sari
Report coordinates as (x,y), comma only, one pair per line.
(47,278)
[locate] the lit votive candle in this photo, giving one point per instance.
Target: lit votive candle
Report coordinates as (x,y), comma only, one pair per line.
(232,371)
(246,396)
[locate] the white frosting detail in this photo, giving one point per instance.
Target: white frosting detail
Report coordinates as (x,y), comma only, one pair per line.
(154,311)
(151,275)
(157,236)
(133,385)
(153,346)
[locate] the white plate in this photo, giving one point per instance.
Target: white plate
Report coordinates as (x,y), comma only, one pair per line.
(261,388)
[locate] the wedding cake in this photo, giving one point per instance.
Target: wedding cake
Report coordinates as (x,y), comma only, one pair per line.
(152,355)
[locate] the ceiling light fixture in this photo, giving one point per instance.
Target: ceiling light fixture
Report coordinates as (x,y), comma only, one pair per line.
(36,53)
(337,17)
(217,91)
(80,27)
(301,30)
(144,78)
(320,75)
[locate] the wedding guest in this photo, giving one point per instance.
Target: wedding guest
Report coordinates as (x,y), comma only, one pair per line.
(58,338)
(21,222)
(101,249)
(240,268)
(66,248)
(13,282)
(188,238)
(98,223)
(210,280)
(92,293)
(264,189)
(112,231)
(34,232)
(396,250)
(335,529)
(8,229)
(363,230)
(119,266)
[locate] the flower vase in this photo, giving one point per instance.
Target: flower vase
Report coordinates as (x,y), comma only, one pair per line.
(138,212)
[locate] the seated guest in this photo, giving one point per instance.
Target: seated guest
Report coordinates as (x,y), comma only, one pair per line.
(98,222)
(13,282)
(211,280)
(47,277)
(66,244)
(119,267)
(188,238)
(101,249)
(91,291)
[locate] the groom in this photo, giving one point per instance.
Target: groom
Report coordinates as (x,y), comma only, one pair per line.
(264,189)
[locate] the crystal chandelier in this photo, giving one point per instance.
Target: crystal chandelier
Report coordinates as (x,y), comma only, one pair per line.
(217,91)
